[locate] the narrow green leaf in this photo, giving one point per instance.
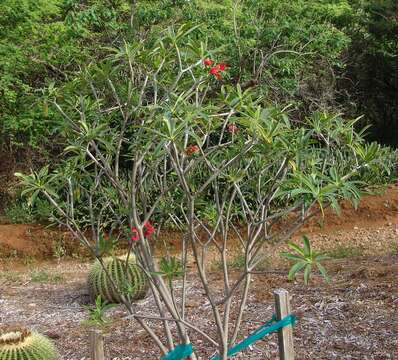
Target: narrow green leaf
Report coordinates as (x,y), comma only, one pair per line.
(307,246)
(295,269)
(307,273)
(324,273)
(296,248)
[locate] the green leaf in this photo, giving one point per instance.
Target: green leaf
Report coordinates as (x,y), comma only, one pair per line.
(324,273)
(292,257)
(296,248)
(295,269)
(307,246)
(307,273)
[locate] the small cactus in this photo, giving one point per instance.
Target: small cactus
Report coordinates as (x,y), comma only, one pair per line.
(130,280)
(22,344)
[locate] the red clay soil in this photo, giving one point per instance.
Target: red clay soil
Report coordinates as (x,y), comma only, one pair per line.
(374,211)
(24,240)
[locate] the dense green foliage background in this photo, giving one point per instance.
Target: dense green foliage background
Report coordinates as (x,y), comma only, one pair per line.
(370,83)
(333,55)
(306,44)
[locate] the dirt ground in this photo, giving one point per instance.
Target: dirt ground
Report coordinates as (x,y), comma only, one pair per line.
(353,317)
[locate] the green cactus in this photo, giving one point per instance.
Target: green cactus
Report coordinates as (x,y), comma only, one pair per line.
(132,283)
(22,344)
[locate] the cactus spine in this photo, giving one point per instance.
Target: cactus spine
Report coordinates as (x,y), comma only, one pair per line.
(22,344)
(129,280)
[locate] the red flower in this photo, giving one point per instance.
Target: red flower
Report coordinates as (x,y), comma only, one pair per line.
(134,234)
(233,129)
(208,62)
(222,66)
(191,149)
(215,71)
(148,229)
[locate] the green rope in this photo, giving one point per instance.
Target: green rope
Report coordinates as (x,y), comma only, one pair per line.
(182,351)
(269,327)
(179,352)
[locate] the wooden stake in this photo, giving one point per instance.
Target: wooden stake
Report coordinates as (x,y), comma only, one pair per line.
(285,335)
(97,345)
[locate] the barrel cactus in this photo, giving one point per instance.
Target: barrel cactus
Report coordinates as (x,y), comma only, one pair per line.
(22,344)
(129,280)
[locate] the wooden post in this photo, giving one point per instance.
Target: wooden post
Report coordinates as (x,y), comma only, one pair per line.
(285,335)
(97,345)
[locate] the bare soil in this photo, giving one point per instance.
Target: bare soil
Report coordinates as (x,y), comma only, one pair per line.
(354,317)
(25,240)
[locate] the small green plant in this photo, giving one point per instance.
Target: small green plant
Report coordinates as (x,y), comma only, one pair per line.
(42,276)
(305,258)
(170,267)
(237,262)
(39,276)
(105,246)
(59,250)
(10,277)
(96,313)
(19,213)
(342,252)
(21,344)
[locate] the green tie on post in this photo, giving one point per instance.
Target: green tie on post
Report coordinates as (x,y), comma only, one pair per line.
(180,352)
(269,327)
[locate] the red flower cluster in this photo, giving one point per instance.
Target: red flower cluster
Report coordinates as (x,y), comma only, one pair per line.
(233,129)
(191,149)
(148,231)
(215,70)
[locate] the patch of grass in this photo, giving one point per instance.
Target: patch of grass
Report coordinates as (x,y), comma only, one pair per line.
(236,262)
(394,248)
(28,260)
(10,277)
(342,252)
(43,276)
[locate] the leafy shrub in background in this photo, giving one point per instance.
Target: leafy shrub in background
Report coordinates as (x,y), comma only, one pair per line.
(283,46)
(290,52)
(20,212)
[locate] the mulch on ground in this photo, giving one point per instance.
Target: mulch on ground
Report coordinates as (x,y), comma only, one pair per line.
(355,317)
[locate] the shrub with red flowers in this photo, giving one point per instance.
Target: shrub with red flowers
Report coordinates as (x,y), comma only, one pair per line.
(276,174)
